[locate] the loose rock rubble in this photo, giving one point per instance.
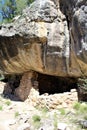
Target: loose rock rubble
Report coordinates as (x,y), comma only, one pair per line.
(53,101)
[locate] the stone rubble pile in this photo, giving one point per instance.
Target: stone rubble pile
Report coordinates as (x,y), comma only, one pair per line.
(61,100)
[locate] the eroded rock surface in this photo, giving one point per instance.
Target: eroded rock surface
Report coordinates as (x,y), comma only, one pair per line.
(49,37)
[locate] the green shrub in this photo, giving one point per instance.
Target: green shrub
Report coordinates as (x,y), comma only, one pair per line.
(76,106)
(36,118)
(1,108)
(8,103)
(36,121)
(62,111)
(16,114)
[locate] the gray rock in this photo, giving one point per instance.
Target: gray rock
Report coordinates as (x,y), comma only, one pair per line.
(83,123)
(77,22)
(25,126)
(62,126)
(47,126)
(42,39)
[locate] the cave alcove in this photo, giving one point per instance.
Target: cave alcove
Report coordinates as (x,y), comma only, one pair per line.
(52,84)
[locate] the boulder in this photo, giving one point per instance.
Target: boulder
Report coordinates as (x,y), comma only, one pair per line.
(49,37)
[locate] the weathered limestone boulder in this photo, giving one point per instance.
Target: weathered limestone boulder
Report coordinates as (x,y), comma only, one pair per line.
(49,37)
(38,40)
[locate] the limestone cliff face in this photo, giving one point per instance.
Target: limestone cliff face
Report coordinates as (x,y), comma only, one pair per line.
(50,37)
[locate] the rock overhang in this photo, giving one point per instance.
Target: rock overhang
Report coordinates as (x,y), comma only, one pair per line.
(45,40)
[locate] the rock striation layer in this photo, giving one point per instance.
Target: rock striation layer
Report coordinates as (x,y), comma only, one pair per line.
(49,37)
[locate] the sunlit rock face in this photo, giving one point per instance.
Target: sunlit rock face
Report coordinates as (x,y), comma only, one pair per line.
(49,37)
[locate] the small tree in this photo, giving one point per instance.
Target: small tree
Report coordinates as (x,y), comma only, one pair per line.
(21,4)
(11,8)
(8,10)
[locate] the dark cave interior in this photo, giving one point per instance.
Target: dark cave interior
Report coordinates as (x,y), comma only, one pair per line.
(51,84)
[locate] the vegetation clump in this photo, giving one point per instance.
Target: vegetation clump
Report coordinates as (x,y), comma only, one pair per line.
(36,121)
(1,108)
(10,8)
(16,114)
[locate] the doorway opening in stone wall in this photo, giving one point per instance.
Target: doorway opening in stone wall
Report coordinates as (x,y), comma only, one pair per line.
(51,84)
